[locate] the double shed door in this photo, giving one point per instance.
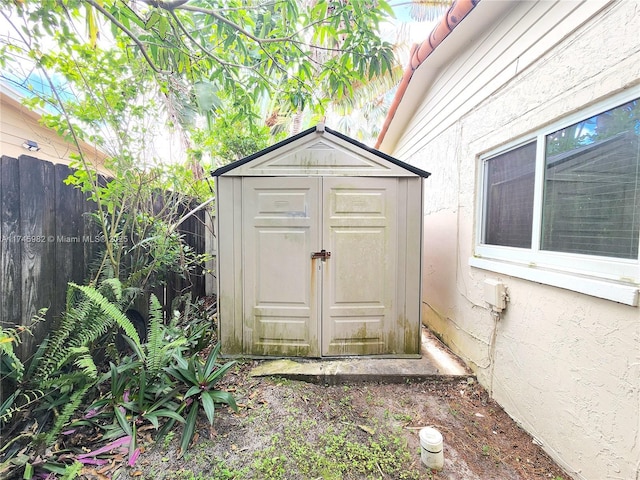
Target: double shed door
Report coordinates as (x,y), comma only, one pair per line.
(320,265)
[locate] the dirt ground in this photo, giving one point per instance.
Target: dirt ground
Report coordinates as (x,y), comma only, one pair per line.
(291,430)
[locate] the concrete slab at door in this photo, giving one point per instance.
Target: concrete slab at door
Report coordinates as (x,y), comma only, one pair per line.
(359,283)
(280,230)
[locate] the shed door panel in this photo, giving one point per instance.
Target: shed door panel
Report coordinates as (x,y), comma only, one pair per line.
(360,230)
(281,225)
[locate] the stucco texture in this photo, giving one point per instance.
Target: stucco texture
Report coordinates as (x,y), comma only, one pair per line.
(564,365)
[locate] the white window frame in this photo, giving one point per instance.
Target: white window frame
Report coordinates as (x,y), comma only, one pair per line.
(604,277)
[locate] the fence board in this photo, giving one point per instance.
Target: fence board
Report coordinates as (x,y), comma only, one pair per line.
(199,232)
(36,225)
(70,205)
(192,230)
(35,203)
(47,250)
(10,258)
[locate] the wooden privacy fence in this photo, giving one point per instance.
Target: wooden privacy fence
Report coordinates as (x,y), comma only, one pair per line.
(47,240)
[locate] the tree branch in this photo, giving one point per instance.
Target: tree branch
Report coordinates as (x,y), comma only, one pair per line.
(169,6)
(233,25)
(131,35)
(201,47)
(220,61)
(260,41)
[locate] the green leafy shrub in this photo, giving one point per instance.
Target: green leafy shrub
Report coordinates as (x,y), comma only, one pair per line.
(201,379)
(139,390)
(62,370)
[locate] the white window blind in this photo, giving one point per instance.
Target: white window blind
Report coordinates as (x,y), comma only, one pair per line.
(592,185)
(591,192)
(509,197)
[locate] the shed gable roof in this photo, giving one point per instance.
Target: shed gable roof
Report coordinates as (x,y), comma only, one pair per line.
(320,151)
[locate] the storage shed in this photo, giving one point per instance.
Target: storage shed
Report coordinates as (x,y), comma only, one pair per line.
(319,250)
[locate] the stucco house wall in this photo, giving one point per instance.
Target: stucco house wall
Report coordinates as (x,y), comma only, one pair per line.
(560,359)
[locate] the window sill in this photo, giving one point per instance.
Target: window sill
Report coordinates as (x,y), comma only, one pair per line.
(617,292)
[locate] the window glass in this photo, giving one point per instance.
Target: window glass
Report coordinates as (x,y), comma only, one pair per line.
(509,197)
(592,185)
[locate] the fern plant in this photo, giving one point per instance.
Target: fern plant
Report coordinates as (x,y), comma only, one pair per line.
(62,370)
(157,353)
(89,313)
(156,384)
(140,390)
(10,365)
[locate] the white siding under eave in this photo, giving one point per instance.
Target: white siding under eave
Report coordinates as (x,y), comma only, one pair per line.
(565,365)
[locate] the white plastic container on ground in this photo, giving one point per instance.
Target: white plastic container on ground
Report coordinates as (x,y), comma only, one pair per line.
(431,448)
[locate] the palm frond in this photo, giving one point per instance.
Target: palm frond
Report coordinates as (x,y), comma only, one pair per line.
(428,10)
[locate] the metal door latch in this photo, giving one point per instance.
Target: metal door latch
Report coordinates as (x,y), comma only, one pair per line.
(322,254)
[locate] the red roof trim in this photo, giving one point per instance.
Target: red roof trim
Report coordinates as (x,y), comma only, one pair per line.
(419,53)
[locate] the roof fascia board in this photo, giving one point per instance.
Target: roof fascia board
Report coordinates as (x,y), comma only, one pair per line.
(419,78)
(389,158)
(12,99)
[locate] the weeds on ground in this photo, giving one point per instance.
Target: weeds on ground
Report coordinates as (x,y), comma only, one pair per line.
(335,455)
